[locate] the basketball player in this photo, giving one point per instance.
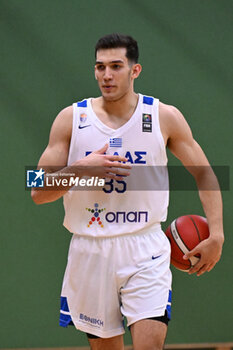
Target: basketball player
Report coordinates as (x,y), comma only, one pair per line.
(118,263)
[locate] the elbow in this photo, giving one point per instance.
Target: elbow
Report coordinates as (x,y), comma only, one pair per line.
(35,197)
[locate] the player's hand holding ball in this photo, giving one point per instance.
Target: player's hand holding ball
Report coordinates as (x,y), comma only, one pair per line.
(192,248)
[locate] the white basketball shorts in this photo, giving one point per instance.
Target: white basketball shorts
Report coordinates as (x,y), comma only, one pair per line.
(107,279)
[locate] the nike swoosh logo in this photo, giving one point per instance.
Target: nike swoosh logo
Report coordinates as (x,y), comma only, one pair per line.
(155,257)
(84,126)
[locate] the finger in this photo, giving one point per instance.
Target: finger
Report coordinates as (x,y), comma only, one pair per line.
(117,172)
(190,254)
(116,158)
(202,270)
(195,268)
(115,165)
(114,177)
(111,175)
(211,266)
(118,165)
(102,150)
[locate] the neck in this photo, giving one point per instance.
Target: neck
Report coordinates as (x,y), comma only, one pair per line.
(127,102)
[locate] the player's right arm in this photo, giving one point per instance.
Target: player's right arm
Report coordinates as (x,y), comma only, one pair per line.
(54,160)
(55,155)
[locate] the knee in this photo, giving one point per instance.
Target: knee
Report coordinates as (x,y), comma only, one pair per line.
(151,347)
(149,344)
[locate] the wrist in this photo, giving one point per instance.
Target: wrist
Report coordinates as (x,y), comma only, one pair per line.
(78,168)
(217,237)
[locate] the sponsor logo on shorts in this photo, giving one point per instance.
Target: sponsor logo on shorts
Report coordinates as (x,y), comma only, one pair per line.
(155,257)
(94,321)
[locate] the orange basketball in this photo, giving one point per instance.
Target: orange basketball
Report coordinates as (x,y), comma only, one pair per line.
(184,234)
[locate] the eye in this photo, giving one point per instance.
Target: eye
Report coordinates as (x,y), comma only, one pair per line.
(116,66)
(100,67)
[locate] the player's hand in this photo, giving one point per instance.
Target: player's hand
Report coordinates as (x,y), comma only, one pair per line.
(210,251)
(103,165)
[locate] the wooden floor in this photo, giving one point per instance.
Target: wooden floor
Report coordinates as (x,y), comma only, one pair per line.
(196,346)
(216,346)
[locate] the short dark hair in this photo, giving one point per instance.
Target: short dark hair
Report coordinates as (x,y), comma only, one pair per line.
(116,40)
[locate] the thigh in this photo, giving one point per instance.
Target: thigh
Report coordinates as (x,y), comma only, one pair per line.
(90,287)
(146,292)
(148,334)
(114,343)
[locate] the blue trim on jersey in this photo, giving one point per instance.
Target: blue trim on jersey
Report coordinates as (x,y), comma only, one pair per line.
(148,100)
(82,103)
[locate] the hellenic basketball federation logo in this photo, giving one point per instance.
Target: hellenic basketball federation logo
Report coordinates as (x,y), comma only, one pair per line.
(95,212)
(83,118)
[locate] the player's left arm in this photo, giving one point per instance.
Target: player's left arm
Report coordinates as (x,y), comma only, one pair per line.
(180,141)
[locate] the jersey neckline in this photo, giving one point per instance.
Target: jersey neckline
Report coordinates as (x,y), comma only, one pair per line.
(108,130)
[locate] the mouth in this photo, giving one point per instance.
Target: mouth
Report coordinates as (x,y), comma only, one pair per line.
(108,87)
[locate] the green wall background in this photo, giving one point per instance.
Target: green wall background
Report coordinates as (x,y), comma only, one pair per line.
(46,64)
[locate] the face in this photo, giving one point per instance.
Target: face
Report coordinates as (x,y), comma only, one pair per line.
(114,73)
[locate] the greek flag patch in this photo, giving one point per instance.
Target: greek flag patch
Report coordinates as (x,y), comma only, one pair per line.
(115,142)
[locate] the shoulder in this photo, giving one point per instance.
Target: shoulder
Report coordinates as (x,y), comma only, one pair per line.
(65,115)
(172,122)
(169,113)
(62,125)
(166,111)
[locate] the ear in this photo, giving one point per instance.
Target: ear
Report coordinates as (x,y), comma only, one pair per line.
(136,70)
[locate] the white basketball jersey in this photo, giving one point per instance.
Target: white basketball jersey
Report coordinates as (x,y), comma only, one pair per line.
(141,199)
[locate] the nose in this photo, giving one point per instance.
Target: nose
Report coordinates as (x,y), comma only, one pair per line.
(107,73)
